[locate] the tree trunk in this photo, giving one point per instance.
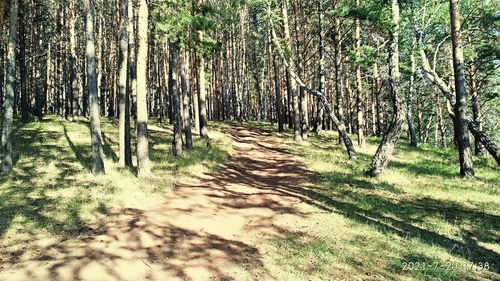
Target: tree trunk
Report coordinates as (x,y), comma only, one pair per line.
(125,157)
(75,93)
(337,48)
(2,63)
(322,70)
(22,67)
(378,99)
(474,129)
(203,95)
(132,60)
(391,138)
(409,98)
(359,87)
(476,111)
(292,82)
(196,107)
(186,118)
(8,106)
(143,165)
(234,75)
(177,140)
(95,122)
(304,111)
(321,96)
(488,143)
(461,127)
(279,103)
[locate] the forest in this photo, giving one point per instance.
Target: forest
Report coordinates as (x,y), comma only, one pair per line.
(250,140)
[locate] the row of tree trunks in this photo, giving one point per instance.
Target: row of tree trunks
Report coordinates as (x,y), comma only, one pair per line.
(320,96)
(473,127)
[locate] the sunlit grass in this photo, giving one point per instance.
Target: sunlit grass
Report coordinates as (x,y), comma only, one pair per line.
(418,211)
(52,193)
(358,228)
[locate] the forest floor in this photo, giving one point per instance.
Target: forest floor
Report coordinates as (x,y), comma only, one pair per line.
(254,207)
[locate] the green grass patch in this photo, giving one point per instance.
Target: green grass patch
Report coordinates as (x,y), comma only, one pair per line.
(418,221)
(52,192)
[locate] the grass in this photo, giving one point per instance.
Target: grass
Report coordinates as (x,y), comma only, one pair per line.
(418,221)
(52,194)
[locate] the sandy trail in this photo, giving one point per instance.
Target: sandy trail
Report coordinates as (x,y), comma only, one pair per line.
(209,228)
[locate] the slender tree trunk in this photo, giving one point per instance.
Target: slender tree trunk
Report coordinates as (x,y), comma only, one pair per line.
(441,125)
(461,127)
(49,89)
(304,108)
(378,100)
(177,140)
(409,98)
(125,157)
(100,55)
(8,106)
(186,118)
(322,69)
(196,107)
(22,67)
(359,87)
(143,165)
(2,61)
(75,93)
(279,103)
(476,111)
(390,139)
(349,118)
(95,122)
(234,75)
(203,95)
(337,48)
(292,82)
(132,60)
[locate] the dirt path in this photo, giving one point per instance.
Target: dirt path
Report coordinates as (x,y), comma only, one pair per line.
(209,228)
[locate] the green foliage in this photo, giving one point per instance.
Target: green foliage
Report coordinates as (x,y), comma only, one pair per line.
(368,56)
(377,13)
(180,21)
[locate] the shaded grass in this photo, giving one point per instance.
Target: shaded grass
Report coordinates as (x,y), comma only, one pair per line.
(52,193)
(418,211)
(360,228)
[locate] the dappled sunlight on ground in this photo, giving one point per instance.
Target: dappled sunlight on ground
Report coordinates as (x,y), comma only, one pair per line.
(257,206)
(212,225)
